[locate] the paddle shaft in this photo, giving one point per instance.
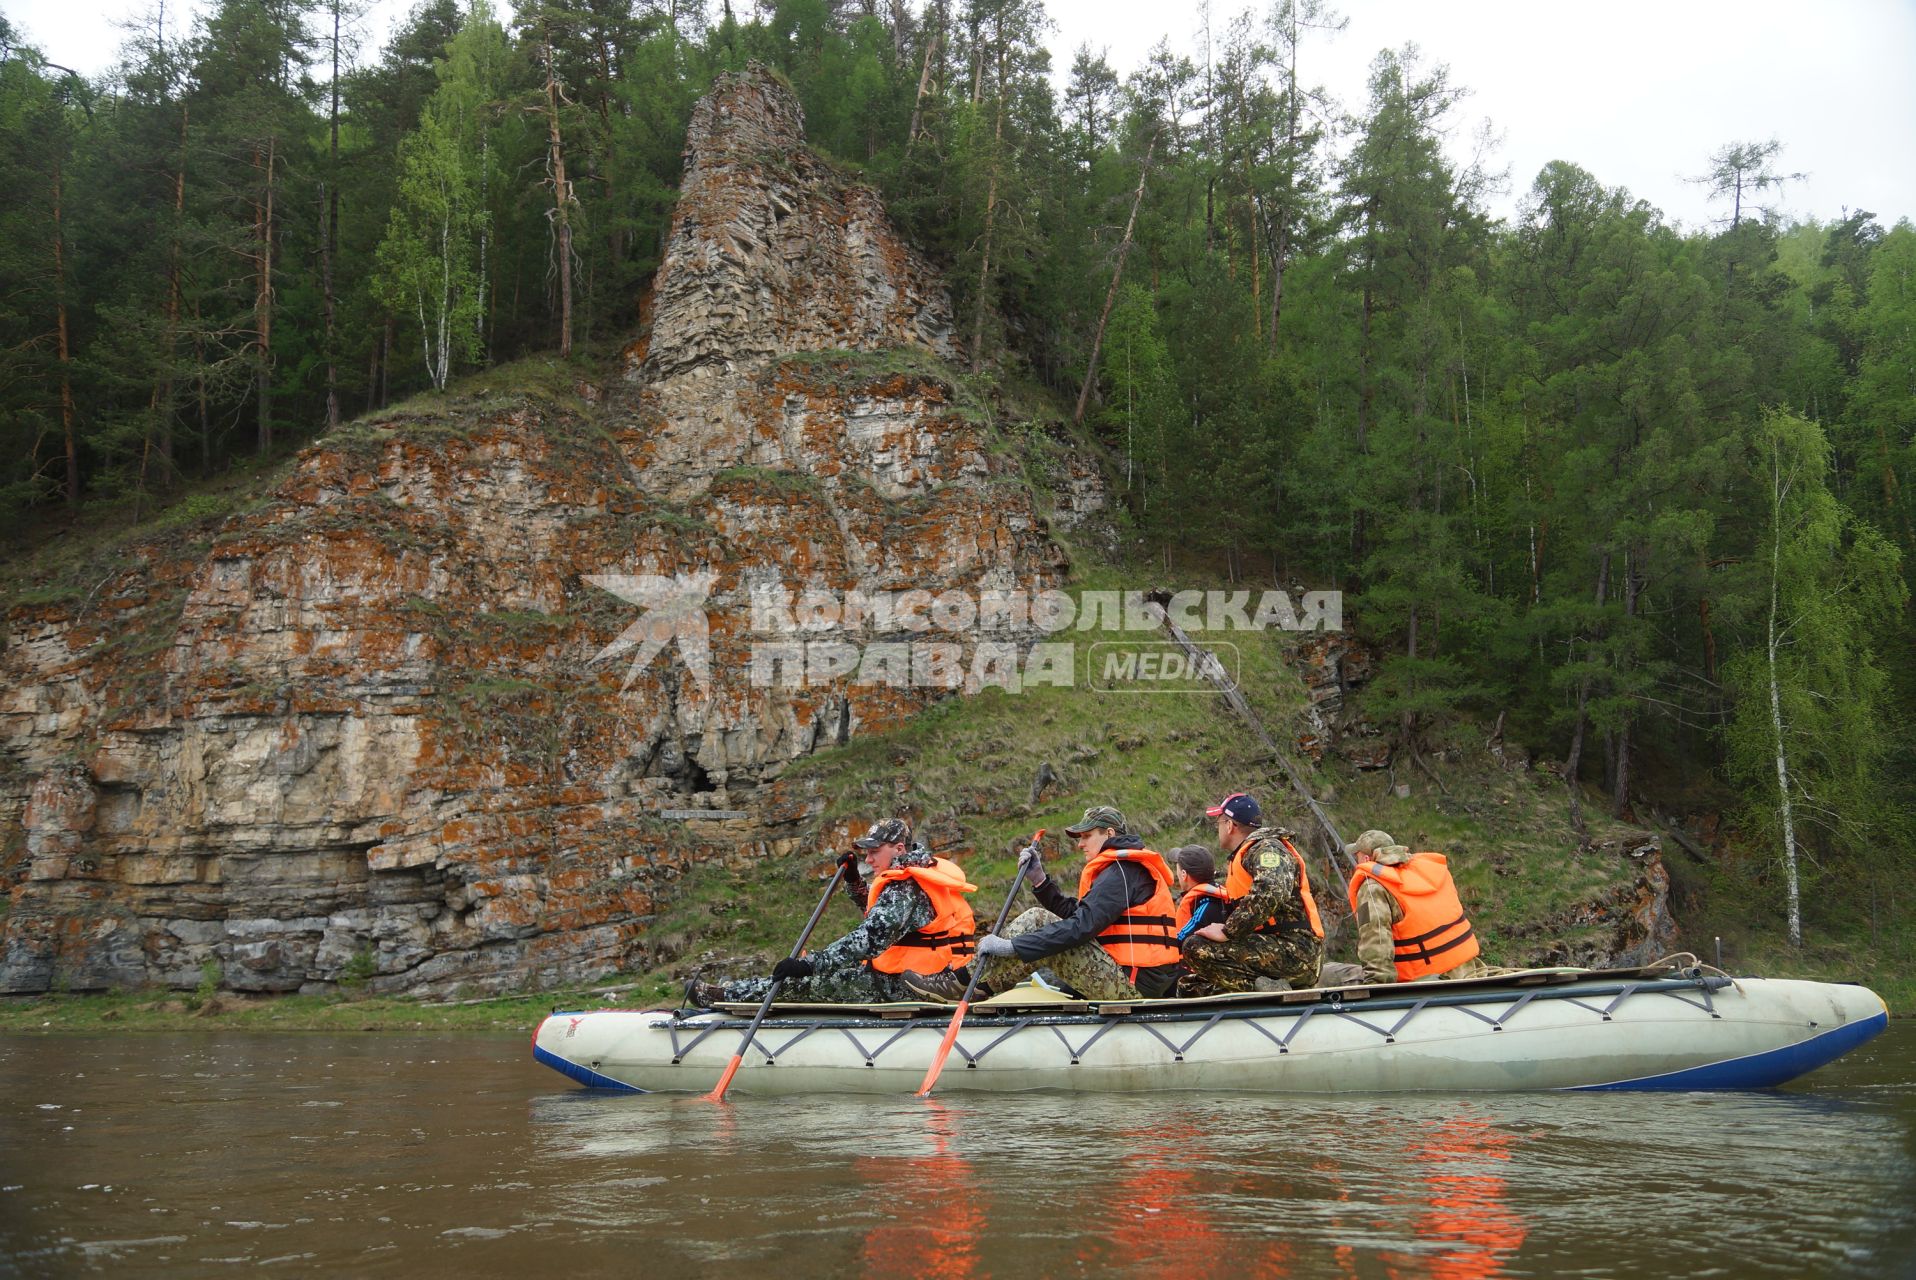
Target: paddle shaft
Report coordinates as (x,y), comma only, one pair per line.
(977,971)
(765,1006)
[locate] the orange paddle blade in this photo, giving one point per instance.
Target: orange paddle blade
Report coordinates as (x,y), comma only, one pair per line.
(944,1048)
(731,1069)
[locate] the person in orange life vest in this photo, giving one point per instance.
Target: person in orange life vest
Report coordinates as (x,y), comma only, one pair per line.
(1201,899)
(1115,940)
(916,920)
(1410,925)
(1201,902)
(1273,931)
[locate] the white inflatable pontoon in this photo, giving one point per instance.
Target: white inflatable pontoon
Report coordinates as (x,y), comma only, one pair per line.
(1658,1028)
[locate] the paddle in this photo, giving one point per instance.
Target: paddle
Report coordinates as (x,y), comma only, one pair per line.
(977,968)
(765,1006)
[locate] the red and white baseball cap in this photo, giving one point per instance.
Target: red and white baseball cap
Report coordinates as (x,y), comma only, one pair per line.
(1238,807)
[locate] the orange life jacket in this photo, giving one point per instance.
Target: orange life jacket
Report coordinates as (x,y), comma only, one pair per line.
(1238,883)
(1434,936)
(1144,936)
(1188,905)
(949,939)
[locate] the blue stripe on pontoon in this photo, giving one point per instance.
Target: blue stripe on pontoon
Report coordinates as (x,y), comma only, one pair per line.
(1762,1070)
(584,1075)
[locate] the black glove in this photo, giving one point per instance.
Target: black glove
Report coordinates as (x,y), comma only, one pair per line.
(790,968)
(1033,863)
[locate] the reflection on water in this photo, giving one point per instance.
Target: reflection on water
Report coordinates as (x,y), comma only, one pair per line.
(180,1155)
(1459,1203)
(938,1234)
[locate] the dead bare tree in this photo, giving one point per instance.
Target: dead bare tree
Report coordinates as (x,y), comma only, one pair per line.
(560,215)
(1117,273)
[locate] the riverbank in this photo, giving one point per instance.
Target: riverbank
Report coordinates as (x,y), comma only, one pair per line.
(224,1011)
(173,1012)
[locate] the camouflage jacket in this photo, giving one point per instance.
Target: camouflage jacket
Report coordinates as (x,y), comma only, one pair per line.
(1274,892)
(1377,913)
(900,908)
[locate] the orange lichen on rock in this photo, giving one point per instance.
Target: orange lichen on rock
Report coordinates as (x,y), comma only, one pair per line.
(386,718)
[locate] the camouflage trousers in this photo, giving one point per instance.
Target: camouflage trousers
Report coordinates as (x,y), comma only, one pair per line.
(1086,968)
(854,984)
(1472,968)
(1237,963)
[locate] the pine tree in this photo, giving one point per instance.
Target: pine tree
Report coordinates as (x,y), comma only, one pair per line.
(40,432)
(1413,241)
(1885,383)
(249,63)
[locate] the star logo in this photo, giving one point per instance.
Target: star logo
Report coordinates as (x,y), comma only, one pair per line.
(675,610)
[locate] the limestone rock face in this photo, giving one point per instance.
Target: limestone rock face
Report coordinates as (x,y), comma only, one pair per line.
(771,251)
(369,731)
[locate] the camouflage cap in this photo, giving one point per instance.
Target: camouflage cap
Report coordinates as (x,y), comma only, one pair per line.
(890,831)
(1098,815)
(1369,842)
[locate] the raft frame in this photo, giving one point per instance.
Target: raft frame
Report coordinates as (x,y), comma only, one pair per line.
(1253,1008)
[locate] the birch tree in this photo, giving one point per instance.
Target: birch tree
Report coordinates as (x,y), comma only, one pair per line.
(433,261)
(1811,729)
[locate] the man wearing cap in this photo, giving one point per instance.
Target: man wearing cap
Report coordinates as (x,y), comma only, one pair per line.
(1114,941)
(1273,931)
(1411,926)
(916,920)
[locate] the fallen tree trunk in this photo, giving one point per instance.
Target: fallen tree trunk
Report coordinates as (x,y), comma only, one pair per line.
(1234,698)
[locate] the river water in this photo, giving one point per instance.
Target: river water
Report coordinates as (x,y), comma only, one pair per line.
(190,1155)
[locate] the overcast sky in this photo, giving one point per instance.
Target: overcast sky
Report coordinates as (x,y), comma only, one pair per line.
(1639,92)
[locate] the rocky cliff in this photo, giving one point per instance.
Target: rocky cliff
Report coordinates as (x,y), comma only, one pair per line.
(434,714)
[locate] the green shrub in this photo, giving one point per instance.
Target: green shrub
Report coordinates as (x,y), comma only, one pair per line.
(359,970)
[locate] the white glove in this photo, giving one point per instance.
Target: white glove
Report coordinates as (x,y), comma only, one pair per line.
(993,945)
(1031,862)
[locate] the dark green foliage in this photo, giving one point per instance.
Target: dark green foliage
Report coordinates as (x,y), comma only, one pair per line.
(1523,449)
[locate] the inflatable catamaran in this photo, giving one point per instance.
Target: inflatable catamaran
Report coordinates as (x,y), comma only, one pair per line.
(1671,1026)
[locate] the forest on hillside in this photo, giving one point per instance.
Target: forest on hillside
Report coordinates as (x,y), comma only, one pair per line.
(1637,493)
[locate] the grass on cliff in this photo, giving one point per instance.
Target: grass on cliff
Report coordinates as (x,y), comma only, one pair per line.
(1159,757)
(62,559)
(966,769)
(68,563)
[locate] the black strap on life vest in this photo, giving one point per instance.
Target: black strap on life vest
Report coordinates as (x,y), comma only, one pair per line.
(1164,921)
(1415,948)
(1136,940)
(963,944)
(1129,922)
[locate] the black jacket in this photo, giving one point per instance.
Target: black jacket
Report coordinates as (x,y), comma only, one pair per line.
(1117,889)
(1208,911)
